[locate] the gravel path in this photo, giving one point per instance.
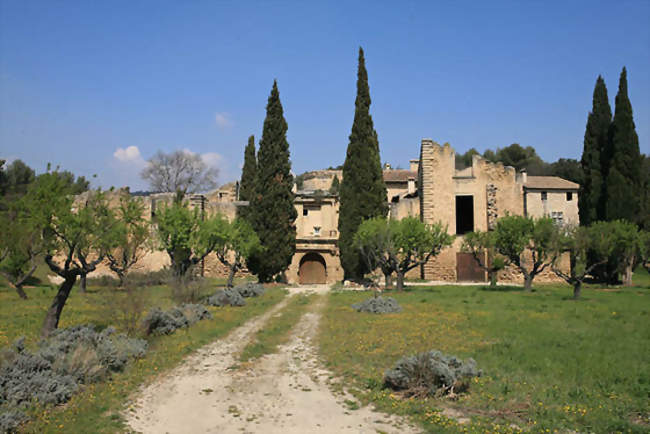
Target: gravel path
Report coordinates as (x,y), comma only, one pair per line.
(284,393)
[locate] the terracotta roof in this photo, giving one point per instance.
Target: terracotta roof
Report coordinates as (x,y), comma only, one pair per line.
(550,183)
(399,175)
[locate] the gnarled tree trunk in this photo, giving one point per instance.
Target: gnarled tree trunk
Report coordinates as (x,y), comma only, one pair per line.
(528,282)
(577,287)
(400,280)
(54,312)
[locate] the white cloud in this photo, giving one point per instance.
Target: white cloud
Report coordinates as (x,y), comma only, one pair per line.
(223,120)
(212,159)
(130,154)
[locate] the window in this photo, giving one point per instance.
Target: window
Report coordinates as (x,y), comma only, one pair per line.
(569,196)
(558,217)
(305,211)
(544,195)
(464,214)
(316,231)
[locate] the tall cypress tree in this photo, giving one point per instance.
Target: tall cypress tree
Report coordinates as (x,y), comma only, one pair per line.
(272,213)
(595,144)
(247,183)
(363,191)
(623,185)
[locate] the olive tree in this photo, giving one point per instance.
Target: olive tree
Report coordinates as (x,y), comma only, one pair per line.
(187,236)
(401,245)
(130,236)
(482,246)
(625,239)
(237,242)
(21,244)
(526,243)
(587,247)
(77,234)
(376,242)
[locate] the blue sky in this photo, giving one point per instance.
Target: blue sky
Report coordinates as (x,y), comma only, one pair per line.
(99,87)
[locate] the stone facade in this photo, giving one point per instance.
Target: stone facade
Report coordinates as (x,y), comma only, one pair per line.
(432,189)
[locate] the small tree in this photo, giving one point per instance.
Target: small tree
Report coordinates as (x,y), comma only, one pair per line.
(625,239)
(375,239)
(77,235)
(187,236)
(416,243)
(237,243)
(480,244)
(179,172)
(130,236)
(21,244)
(587,248)
(518,237)
(400,246)
(336,185)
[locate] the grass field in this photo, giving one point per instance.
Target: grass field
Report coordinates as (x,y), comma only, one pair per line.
(550,364)
(97,407)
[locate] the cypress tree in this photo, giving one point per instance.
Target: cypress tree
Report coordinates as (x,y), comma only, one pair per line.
(247,183)
(272,213)
(623,185)
(595,144)
(362,191)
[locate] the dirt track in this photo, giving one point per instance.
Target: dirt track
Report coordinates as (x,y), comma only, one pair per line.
(284,392)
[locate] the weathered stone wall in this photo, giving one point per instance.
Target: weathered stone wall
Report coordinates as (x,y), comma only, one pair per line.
(333,269)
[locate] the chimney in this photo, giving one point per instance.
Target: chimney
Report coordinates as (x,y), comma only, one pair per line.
(524,176)
(413,165)
(411,185)
(387,166)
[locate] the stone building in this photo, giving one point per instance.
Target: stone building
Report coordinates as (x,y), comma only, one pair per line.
(432,189)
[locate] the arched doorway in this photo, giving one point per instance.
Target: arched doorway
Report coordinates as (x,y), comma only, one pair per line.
(312,269)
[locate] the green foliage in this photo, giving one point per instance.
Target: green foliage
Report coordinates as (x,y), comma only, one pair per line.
(465,160)
(363,191)
(644,249)
(272,213)
(518,157)
(590,200)
(587,247)
(247,183)
(400,245)
(237,242)
(129,236)
(336,186)
(187,235)
(527,243)
(623,185)
(624,239)
(482,246)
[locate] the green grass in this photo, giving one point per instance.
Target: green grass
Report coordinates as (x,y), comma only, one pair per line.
(549,362)
(276,331)
(97,407)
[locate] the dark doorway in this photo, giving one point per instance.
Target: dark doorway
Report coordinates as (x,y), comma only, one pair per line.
(467,269)
(464,214)
(312,269)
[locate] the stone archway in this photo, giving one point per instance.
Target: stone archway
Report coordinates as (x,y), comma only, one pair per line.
(312,269)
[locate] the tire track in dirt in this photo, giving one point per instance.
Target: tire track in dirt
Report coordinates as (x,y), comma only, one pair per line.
(285,392)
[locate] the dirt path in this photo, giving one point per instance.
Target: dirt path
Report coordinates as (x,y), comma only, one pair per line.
(279,393)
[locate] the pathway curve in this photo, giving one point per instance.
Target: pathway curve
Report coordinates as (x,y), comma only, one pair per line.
(284,393)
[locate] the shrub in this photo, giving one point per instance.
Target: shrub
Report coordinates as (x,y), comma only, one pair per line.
(54,371)
(431,374)
(126,308)
(250,289)
(378,305)
(226,297)
(158,322)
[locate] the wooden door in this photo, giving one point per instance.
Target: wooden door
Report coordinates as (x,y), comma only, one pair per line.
(312,269)
(467,269)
